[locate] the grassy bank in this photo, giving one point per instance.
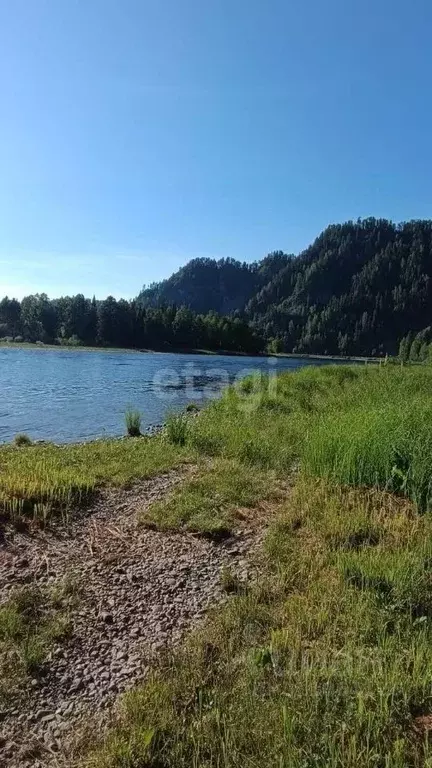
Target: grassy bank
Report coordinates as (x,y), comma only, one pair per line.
(40,480)
(362,426)
(326,661)
(178,351)
(63,347)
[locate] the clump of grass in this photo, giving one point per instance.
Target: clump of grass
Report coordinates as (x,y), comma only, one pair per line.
(209,502)
(247,385)
(67,592)
(177,428)
(22,440)
(133,422)
(31,621)
(229,580)
(192,408)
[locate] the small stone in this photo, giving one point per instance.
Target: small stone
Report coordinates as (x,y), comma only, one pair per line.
(47,718)
(107,617)
(77,685)
(41,713)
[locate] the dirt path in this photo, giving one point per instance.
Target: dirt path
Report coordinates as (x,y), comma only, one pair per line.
(138,591)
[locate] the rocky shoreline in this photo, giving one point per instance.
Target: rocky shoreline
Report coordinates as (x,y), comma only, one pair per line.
(138,592)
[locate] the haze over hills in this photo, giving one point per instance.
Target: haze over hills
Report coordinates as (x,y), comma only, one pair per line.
(358,289)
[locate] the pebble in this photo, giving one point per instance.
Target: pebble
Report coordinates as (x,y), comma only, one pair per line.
(48,718)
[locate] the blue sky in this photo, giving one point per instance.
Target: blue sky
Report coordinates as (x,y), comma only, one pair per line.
(137,134)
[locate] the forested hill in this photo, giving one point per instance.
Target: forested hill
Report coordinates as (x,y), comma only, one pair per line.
(205,285)
(358,289)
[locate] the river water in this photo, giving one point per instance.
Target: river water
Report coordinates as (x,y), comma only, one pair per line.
(73,395)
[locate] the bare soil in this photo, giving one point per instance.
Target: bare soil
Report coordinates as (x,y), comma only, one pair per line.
(138,591)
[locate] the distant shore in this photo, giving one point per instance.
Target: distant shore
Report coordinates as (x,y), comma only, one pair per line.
(349,359)
(181,351)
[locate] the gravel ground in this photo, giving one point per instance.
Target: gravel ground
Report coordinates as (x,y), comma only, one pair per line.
(139,590)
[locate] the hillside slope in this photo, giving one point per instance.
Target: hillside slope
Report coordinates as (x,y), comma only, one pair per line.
(358,289)
(205,285)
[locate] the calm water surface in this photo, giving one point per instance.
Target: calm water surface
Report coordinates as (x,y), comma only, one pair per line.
(72,395)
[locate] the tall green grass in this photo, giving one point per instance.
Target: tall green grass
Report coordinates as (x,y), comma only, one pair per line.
(177,428)
(378,434)
(365,425)
(133,422)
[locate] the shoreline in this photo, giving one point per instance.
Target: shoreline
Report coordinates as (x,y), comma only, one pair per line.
(153,430)
(184,351)
(307,356)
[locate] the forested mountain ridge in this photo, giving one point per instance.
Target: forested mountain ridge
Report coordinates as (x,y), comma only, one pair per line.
(358,289)
(205,285)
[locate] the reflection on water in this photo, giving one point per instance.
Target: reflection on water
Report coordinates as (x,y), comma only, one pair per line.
(78,395)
